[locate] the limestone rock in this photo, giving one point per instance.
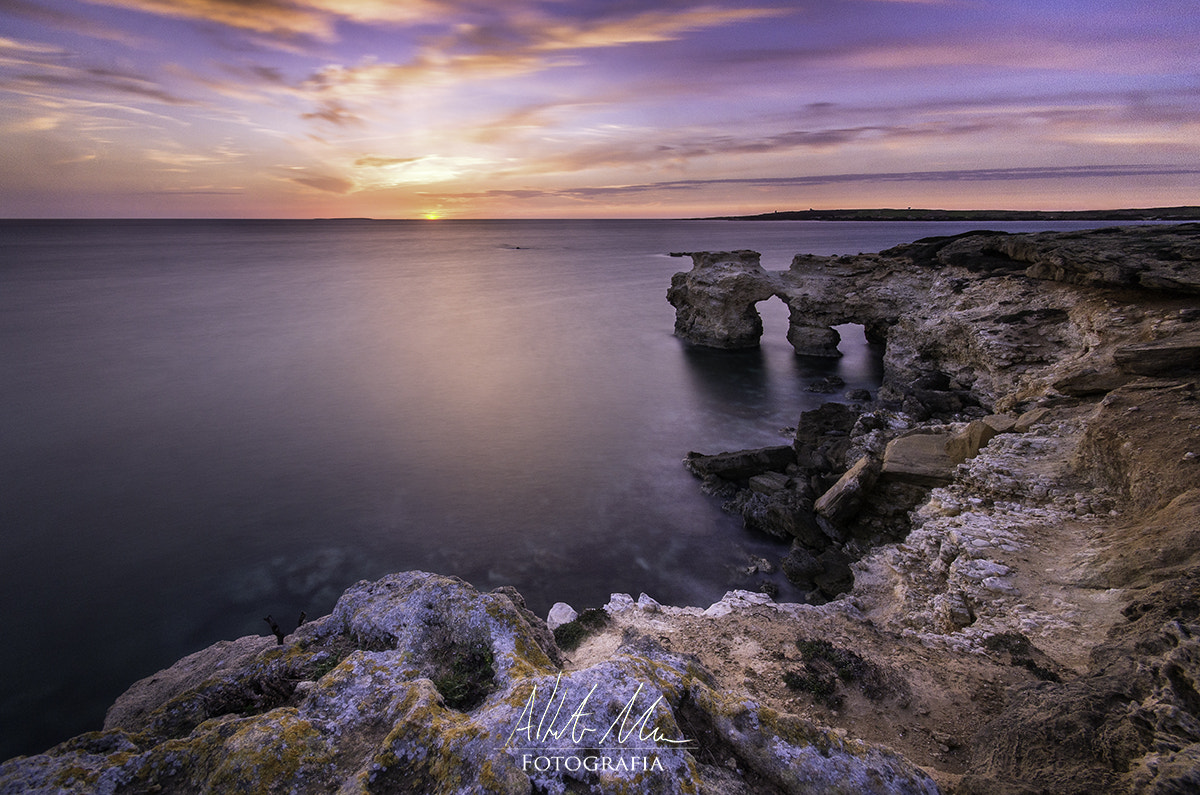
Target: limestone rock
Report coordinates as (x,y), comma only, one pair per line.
(969,441)
(1091,381)
(845,496)
(715,300)
(367,700)
(1001,423)
(129,711)
(1163,258)
(1029,419)
(952,612)
(560,613)
(1170,357)
(919,458)
(1136,709)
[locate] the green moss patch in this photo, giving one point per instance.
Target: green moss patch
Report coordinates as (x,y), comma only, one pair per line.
(568,636)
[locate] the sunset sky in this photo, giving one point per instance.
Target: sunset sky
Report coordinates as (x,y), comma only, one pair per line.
(593,108)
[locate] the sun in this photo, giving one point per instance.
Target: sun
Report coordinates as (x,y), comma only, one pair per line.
(432,215)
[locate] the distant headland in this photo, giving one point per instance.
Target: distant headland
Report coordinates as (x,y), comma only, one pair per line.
(910,214)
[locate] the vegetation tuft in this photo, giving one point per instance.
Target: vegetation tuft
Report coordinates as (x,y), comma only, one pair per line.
(461,668)
(464,674)
(568,636)
(827,666)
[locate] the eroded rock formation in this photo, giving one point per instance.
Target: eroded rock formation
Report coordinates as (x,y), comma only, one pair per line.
(418,683)
(1037,439)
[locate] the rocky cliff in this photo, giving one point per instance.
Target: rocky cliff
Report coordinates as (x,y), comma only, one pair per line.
(1012,528)
(1001,549)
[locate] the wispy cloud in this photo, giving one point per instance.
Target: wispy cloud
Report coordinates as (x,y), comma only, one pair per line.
(375,161)
(274,17)
(804,181)
(323,182)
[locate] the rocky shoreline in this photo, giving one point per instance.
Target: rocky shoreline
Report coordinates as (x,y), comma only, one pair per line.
(1001,551)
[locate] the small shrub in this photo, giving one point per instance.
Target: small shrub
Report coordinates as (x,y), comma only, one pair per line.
(568,636)
(825,665)
(464,675)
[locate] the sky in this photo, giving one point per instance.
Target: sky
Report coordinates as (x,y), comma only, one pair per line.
(593,108)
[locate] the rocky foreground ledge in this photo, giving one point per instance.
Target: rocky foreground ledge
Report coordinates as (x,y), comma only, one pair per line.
(1001,550)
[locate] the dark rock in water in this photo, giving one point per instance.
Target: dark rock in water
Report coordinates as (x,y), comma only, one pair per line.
(742,464)
(827,385)
(770,483)
(820,341)
(823,435)
(801,566)
(835,577)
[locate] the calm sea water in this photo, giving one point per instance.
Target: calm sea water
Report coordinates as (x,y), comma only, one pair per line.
(206,422)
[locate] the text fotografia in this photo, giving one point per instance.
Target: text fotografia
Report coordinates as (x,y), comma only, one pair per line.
(573,763)
(543,732)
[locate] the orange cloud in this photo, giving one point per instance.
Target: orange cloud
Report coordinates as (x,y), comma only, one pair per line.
(260,16)
(650,26)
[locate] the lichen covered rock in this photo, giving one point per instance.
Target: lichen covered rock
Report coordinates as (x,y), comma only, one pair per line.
(419,683)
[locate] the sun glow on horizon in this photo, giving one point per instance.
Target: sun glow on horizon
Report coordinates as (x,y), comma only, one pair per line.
(589,110)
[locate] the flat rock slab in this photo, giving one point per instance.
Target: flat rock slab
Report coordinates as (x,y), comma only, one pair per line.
(769,482)
(1168,357)
(920,458)
(742,464)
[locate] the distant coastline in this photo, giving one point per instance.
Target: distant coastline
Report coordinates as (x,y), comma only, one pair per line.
(910,214)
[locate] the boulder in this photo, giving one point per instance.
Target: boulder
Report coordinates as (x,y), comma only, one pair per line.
(800,566)
(741,464)
(836,577)
(560,613)
(920,459)
(845,497)
(1001,423)
(969,441)
(1029,419)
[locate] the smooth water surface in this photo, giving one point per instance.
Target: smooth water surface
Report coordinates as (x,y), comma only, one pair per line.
(206,422)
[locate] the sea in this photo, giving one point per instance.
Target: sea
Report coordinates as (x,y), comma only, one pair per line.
(203,423)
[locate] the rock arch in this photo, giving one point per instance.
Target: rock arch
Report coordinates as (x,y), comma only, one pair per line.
(716,302)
